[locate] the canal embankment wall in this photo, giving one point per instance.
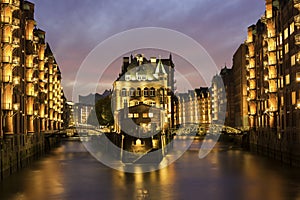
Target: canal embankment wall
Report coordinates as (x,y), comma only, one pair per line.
(269,144)
(19,151)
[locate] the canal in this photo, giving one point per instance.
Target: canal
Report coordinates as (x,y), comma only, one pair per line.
(70,173)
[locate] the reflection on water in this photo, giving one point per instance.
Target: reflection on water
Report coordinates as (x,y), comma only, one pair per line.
(226,173)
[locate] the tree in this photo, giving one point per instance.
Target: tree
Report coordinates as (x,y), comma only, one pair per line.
(104,111)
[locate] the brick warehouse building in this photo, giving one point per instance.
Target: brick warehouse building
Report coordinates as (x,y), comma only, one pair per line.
(274,81)
(32,100)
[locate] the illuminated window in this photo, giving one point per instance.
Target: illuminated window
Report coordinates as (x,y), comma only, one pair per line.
(280,39)
(131,92)
(286,33)
(298,76)
(286,48)
(141,77)
(287,79)
(136,115)
(293,98)
(138,92)
(293,60)
(127,77)
(282,101)
(292,28)
(145,115)
(146,92)
(123,93)
(150,115)
(152,92)
(130,115)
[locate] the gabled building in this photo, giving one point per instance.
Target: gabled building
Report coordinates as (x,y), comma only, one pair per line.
(274,79)
(149,82)
(31,93)
(204,105)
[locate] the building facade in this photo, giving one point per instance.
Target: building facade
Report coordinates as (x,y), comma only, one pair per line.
(149,82)
(274,79)
(204,105)
(31,92)
(194,107)
(239,91)
(218,100)
(188,108)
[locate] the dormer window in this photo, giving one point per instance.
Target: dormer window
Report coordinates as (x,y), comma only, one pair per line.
(127,77)
(146,92)
(141,77)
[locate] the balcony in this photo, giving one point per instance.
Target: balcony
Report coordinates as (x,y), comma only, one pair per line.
(272,48)
(16,60)
(252,87)
(272,90)
(272,109)
(35,39)
(32,93)
(298,104)
(6,106)
(29,65)
(16,80)
(6,59)
(6,79)
(272,76)
(297,39)
(6,39)
(5,1)
(272,62)
(34,80)
(15,22)
(297,4)
(15,3)
(16,42)
(297,20)
(5,19)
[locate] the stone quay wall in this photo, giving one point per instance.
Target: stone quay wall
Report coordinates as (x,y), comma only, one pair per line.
(18,151)
(267,143)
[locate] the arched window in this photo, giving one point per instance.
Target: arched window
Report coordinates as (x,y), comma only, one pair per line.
(152,92)
(132,92)
(161,93)
(123,92)
(138,92)
(146,92)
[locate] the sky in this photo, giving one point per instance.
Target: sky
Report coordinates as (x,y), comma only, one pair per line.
(75,27)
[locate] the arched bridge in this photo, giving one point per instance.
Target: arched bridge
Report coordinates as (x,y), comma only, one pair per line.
(203,129)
